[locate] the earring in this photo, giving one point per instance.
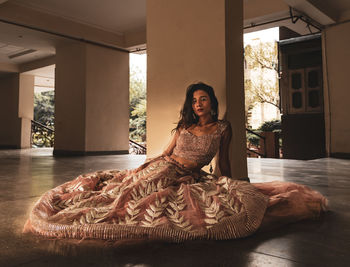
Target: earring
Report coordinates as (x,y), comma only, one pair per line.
(211,168)
(213,113)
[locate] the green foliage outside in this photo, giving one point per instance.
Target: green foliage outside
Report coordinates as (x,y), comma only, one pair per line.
(270,126)
(267,126)
(44,113)
(261,76)
(137,124)
(261,84)
(44,108)
(253,139)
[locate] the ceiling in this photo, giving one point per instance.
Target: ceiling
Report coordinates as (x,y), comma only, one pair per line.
(338,7)
(44,72)
(117,16)
(19,45)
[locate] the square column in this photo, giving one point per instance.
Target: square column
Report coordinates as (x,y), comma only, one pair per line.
(91,100)
(192,41)
(336,56)
(16,110)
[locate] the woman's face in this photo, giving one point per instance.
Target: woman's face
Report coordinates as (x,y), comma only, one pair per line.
(201,103)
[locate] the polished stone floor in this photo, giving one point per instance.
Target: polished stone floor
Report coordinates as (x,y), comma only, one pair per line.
(26,174)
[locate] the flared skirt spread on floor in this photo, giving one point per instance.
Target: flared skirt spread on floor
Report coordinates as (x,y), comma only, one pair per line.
(161,200)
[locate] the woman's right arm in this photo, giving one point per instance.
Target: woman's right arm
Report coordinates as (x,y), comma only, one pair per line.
(170,148)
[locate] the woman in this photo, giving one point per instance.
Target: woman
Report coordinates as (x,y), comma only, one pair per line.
(169,197)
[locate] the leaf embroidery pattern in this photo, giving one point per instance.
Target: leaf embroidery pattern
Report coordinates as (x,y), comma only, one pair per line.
(231,204)
(64,204)
(135,194)
(153,213)
(177,204)
(92,216)
(132,213)
(81,203)
(213,213)
(116,191)
(230,197)
(146,188)
(209,204)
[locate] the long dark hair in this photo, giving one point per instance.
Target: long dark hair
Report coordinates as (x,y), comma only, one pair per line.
(187,115)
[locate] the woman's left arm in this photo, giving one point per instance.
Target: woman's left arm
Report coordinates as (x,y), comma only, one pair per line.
(224,160)
(170,148)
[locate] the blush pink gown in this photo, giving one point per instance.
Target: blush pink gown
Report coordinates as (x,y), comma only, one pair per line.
(162,200)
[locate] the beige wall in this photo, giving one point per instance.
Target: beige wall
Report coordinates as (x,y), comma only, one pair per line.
(26,108)
(70,97)
(336,60)
(186,43)
(91,99)
(26,96)
(7,67)
(16,110)
(107,100)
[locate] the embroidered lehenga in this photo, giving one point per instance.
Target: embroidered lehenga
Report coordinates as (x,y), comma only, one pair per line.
(163,200)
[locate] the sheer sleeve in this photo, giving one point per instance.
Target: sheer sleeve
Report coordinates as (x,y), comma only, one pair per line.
(224,160)
(169,150)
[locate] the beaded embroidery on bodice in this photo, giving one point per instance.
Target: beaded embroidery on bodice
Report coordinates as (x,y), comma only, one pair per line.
(200,149)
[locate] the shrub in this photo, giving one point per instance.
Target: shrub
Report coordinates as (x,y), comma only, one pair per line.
(270,126)
(253,139)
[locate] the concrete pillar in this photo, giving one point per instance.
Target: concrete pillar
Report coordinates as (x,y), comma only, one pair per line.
(191,41)
(91,100)
(9,123)
(336,57)
(16,110)
(26,108)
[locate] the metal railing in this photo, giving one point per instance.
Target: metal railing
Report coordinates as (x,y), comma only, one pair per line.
(258,152)
(136,148)
(41,135)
